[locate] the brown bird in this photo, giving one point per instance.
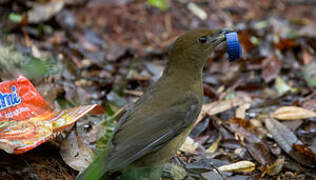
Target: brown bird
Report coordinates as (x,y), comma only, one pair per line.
(154,128)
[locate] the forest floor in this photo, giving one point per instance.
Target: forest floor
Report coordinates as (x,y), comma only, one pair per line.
(260,109)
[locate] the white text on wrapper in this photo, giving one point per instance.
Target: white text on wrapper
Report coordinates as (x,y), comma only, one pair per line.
(8,100)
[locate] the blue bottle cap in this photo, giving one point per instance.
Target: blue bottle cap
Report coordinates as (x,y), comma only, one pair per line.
(233,47)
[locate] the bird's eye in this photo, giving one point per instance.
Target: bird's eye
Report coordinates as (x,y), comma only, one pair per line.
(203,39)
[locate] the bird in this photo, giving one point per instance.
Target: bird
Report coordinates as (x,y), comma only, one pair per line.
(157,124)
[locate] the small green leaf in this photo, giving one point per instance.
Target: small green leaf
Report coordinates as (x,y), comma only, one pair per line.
(309,74)
(261,25)
(281,86)
(161,4)
(254,40)
(108,109)
(15,17)
(36,68)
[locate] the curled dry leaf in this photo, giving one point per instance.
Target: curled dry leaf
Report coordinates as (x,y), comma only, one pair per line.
(240,167)
(292,113)
(189,145)
(75,153)
(290,143)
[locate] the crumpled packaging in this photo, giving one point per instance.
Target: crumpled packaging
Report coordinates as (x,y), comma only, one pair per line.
(26,120)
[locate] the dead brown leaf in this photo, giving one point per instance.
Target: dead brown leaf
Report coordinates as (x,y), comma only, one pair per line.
(285,43)
(275,168)
(307,58)
(244,129)
(75,153)
(290,143)
(224,105)
(271,68)
(260,152)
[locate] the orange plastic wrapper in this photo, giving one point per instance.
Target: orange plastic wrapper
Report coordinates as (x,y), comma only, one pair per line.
(26,120)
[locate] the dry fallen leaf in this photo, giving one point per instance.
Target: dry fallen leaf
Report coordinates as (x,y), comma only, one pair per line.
(281,134)
(309,104)
(75,153)
(243,129)
(241,110)
(288,141)
(271,68)
(220,106)
(275,168)
(214,146)
(196,10)
(189,145)
(260,152)
(292,113)
(44,11)
(240,167)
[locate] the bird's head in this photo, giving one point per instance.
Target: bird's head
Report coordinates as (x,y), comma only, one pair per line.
(193,47)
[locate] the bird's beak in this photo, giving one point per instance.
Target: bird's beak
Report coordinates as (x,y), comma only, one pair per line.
(219,36)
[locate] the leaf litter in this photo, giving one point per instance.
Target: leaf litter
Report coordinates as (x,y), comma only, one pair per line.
(87,48)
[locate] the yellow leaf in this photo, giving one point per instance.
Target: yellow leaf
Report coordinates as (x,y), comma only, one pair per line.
(241,167)
(214,146)
(292,113)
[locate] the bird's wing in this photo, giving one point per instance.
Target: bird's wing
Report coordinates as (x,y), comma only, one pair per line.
(140,134)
